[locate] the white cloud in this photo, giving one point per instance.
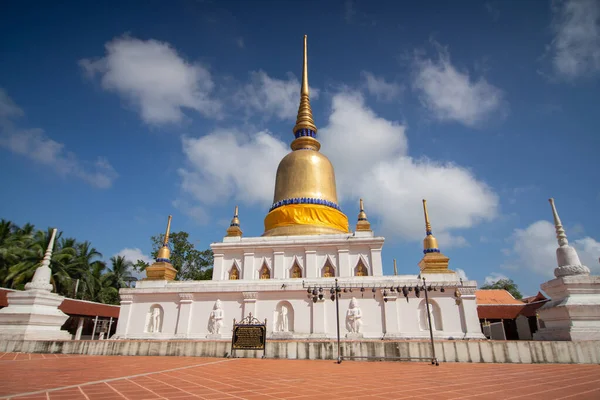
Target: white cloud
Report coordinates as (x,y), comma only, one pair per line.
(452,95)
(155,79)
(378,87)
(534,248)
(133,255)
(370,158)
(493,278)
(576,46)
(370,155)
(38,147)
(228,163)
(271,97)
(461,274)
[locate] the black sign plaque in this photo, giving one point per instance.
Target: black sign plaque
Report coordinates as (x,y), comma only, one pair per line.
(249,334)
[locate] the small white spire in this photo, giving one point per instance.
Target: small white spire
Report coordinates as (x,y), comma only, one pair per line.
(566,256)
(43,273)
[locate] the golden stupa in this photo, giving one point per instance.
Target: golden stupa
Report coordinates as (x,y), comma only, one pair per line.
(162,269)
(305,200)
(433,261)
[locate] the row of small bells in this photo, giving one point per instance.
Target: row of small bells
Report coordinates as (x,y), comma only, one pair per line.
(317,294)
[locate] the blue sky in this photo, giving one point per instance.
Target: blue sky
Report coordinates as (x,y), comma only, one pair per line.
(113,117)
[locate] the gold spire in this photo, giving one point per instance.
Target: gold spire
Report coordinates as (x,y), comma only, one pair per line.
(395,268)
(305,129)
(162,268)
(363,223)
(164,253)
(433,260)
(430,244)
(305,197)
(234,226)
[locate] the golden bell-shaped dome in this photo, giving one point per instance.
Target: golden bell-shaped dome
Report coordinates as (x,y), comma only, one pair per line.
(305,199)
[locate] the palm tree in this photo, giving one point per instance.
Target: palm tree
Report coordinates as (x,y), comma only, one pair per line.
(119,271)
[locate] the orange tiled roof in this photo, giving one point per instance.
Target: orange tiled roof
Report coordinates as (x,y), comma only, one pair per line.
(495,296)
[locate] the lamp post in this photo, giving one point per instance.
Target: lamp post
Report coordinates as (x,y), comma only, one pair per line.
(433,358)
(337,317)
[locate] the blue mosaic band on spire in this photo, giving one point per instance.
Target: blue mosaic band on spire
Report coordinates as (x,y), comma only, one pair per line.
(304,200)
(431,251)
(429,233)
(234,224)
(305,132)
(163,260)
(362,219)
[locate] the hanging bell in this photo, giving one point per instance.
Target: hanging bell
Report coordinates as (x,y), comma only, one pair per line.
(373,290)
(410,288)
(314,292)
(332,297)
(314,299)
(429,289)
(384,293)
(442,289)
(345,290)
(308,290)
(321,289)
(417,291)
(435,289)
(392,289)
(362,289)
(332,291)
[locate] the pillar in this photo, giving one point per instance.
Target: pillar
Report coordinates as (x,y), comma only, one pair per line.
(318,317)
(390,310)
(94,330)
(124,315)
(344,267)
(185,315)
(312,269)
(218,268)
(469,309)
(248,267)
(279,267)
(376,263)
(79,328)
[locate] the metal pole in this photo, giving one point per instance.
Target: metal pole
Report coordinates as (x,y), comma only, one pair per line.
(433,359)
(337,319)
(76,287)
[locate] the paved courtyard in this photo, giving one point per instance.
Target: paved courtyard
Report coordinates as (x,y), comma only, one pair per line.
(70,377)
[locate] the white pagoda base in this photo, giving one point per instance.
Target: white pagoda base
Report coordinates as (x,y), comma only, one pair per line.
(574,311)
(33,315)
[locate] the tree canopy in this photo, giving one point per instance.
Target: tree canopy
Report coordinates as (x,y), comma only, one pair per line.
(22,250)
(506,284)
(190,263)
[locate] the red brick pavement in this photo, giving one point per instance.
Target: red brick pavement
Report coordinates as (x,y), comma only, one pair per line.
(70,377)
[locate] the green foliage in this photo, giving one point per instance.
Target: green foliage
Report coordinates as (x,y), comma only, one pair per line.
(190,263)
(506,284)
(22,250)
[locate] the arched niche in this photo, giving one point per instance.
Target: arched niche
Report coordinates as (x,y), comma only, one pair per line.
(296,270)
(234,272)
(265,271)
(283,317)
(436,316)
(328,270)
(361,269)
(154,319)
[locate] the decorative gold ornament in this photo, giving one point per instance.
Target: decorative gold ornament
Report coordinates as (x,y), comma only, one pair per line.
(162,269)
(363,223)
(328,271)
(234,227)
(361,270)
(433,261)
(296,271)
(234,274)
(265,273)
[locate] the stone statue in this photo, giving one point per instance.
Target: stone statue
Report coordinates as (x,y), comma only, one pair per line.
(282,325)
(235,275)
(328,273)
(425,322)
(265,273)
(154,320)
(215,323)
(353,317)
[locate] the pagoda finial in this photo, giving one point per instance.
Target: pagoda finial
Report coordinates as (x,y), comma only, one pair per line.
(395,268)
(234,226)
(561,235)
(305,125)
(363,223)
(164,253)
(566,256)
(43,273)
(430,244)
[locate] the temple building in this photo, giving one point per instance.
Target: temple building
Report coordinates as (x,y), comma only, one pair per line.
(284,276)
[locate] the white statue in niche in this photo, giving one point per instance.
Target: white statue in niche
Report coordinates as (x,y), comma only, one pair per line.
(215,323)
(428,309)
(353,317)
(154,320)
(283,322)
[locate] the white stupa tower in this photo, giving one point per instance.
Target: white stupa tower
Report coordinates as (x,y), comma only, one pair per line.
(574,311)
(33,314)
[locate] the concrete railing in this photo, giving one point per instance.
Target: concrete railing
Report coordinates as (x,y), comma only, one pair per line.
(484,351)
